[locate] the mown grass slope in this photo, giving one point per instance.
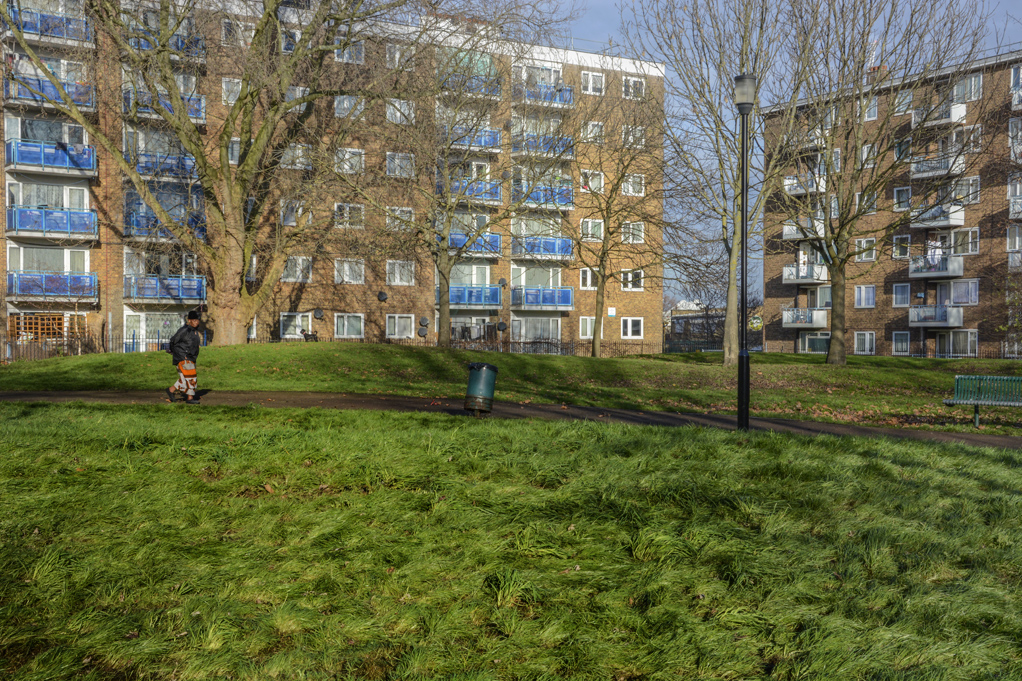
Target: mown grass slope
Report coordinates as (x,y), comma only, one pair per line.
(871,390)
(159,543)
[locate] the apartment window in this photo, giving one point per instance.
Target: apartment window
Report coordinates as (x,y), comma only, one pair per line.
(592,230)
(236,33)
(401,111)
(865,343)
(633,87)
(902,198)
(400,273)
(633,136)
(349,215)
(586,279)
(958,344)
(902,247)
(400,219)
(1014,237)
(234,151)
(592,132)
(865,296)
(866,202)
(592,181)
(348,106)
(400,165)
(400,56)
(900,343)
(586,327)
(631,327)
(835,207)
(292,324)
(835,160)
(870,107)
(349,161)
(1015,139)
(289,39)
(349,325)
(297,269)
(252,328)
(964,292)
(296,157)
(230,90)
(400,325)
(349,271)
(634,185)
(813,342)
(291,212)
(632,280)
(969,140)
(968,189)
(902,295)
(902,102)
(865,250)
(903,149)
(633,232)
(250,271)
(867,156)
(352,54)
(969,88)
(592,83)
(819,298)
(965,241)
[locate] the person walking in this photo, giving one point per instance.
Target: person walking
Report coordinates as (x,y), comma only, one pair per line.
(184,349)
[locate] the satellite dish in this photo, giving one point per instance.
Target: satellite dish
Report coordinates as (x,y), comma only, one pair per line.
(423,321)
(422,332)
(317,313)
(502,283)
(381,296)
(501,326)
(506,175)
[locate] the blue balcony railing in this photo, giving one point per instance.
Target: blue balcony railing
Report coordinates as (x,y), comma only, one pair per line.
(52,222)
(487,244)
(542,296)
(482,296)
(195,104)
(473,85)
(482,190)
(166,165)
(172,289)
(25,284)
(50,155)
(41,91)
(542,93)
(533,143)
(50,24)
(541,246)
(545,196)
(147,226)
(472,137)
(189,45)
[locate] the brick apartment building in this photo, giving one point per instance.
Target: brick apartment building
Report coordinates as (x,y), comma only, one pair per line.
(85,255)
(936,283)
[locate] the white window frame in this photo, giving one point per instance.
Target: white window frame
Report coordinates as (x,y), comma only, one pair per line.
(906,288)
(969,139)
(303,269)
(401,111)
(971,86)
(343,317)
(348,161)
(628,188)
(230,90)
(972,241)
(342,216)
(973,292)
(805,336)
(633,232)
(400,57)
(900,153)
(400,218)
(343,267)
(301,316)
(871,207)
(594,132)
(591,182)
(296,157)
(906,201)
(588,83)
(628,89)
(626,328)
(586,279)
(591,229)
(1014,237)
(295,209)
(867,156)
(867,250)
(629,279)
(398,267)
(633,136)
(397,161)
(861,296)
(895,245)
(907,335)
(589,322)
(239,34)
(870,109)
(355,106)
(394,319)
(902,103)
(253,328)
(251,273)
(971,192)
(870,339)
(354,53)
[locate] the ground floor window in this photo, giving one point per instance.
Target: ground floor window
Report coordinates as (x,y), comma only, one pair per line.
(470,328)
(958,344)
(631,327)
(586,327)
(252,329)
(152,325)
(536,329)
(865,343)
(400,325)
(293,323)
(814,342)
(348,326)
(900,343)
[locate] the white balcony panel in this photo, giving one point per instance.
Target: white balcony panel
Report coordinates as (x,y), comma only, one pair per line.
(803,318)
(806,183)
(936,267)
(805,274)
(1015,208)
(935,316)
(947,114)
(937,166)
(803,228)
(937,217)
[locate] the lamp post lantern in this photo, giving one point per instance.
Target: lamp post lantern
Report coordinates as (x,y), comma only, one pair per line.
(745,100)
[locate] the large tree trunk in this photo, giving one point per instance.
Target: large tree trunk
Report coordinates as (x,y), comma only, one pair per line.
(443,330)
(836,352)
(601,287)
(228,312)
(731,330)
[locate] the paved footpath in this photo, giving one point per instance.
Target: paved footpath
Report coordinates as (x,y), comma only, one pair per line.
(512,410)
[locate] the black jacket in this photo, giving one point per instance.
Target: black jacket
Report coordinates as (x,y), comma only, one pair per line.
(184,345)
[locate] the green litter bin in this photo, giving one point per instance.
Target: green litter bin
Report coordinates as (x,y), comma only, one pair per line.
(479,396)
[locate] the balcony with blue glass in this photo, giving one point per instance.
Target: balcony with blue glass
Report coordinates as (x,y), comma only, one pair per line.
(166,166)
(56,158)
(541,247)
(52,223)
(141,103)
(485,245)
(542,298)
(26,286)
(472,297)
(146,226)
(180,44)
(31,91)
(472,191)
(479,139)
(151,288)
(477,85)
(543,196)
(49,27)
(535,144)
(556,95)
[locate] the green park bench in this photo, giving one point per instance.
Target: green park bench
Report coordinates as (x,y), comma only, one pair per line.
(987,391)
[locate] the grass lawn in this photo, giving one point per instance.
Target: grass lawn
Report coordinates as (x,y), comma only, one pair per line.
(888,391)
(233,543)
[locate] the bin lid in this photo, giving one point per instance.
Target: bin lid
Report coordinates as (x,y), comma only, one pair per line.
(480,366)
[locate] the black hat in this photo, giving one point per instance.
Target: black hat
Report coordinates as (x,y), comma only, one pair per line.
(193,315)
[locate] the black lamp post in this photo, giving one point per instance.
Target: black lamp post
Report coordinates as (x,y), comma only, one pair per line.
(745,100)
